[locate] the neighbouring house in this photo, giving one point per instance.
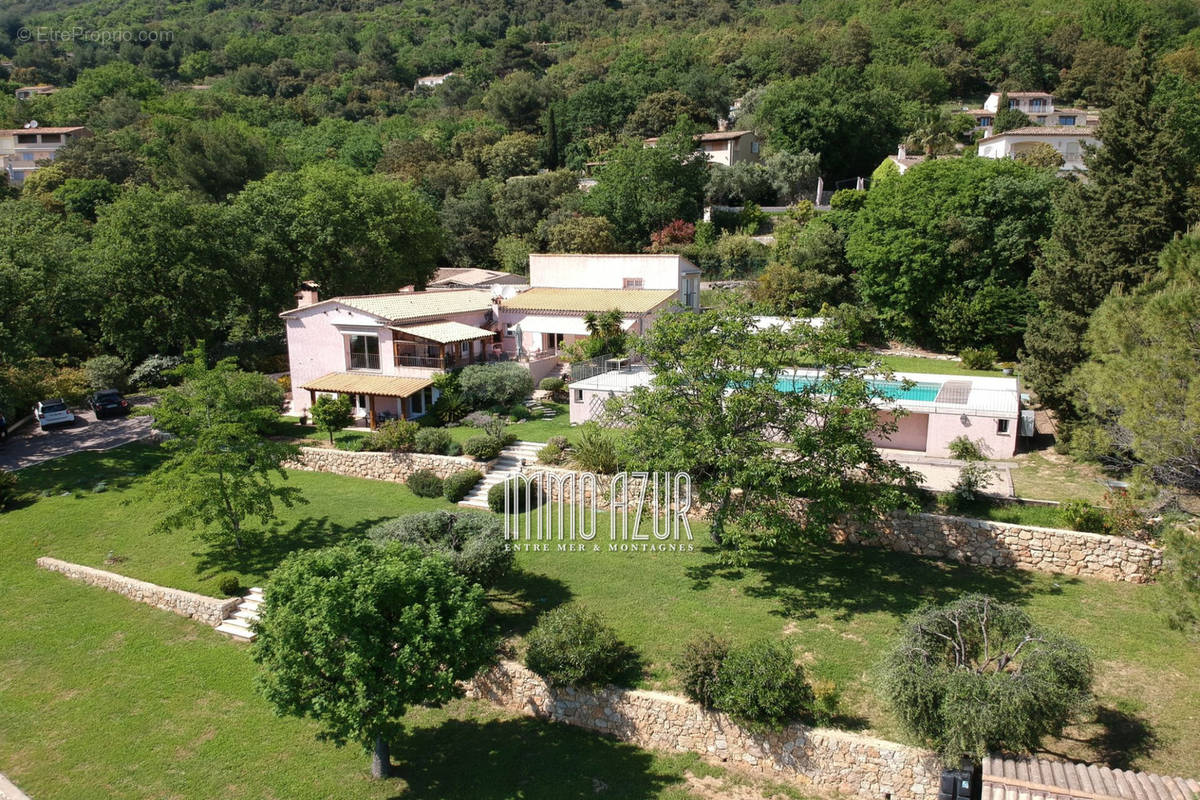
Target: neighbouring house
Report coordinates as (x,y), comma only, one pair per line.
(726,147)
(1038,106)
(937,409)
(430,81)
(1069,141)
(21,149)
(474,277)
(902,162)
(383,350)
(30,92)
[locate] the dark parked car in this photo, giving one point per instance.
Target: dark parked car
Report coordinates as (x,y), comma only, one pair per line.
(109,403)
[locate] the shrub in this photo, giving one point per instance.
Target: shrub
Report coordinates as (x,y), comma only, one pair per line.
(8,488)
(572,646)
(432,440)
(973,478)
(519,499)
(826,701)
(459,484)
(106,372)
(425,483)
(395,435)
(977,676)
(1080,515)
(230,586)
(479,419)
(595,449)
(353,444)
(699,665)
(964,449)
(557,387)
(69,383)
(1180,579)
(981,359)
(519,412)
(455,449)
(555,451)
(473,541)
(762,687)
(503,383)
(483,448)
(152,373)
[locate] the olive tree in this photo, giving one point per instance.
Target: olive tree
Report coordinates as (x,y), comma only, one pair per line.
(976,676)
(352,636)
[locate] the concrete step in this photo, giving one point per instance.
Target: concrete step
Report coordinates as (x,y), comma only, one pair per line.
(237,632)
(241,613)
(249,605)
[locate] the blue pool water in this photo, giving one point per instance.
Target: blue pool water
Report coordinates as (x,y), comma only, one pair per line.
(894,390)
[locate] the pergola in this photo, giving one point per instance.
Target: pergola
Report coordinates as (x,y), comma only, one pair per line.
(371,386)
(432,344)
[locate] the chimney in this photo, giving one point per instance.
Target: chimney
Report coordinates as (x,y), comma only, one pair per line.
(308,294)
(902,151)
(722,124)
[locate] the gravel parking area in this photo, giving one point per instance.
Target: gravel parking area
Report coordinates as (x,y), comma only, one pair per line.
(30,445)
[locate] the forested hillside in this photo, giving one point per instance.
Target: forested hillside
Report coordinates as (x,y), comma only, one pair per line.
(241,147)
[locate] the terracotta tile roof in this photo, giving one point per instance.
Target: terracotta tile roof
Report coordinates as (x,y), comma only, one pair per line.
(402,306)
(627,301)
(446,332)
(474,276)
(43,130)
(1040,779)
(715,136)
(357,383)
(1047,130)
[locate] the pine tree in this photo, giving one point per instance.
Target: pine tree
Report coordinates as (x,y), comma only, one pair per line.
(1108,229)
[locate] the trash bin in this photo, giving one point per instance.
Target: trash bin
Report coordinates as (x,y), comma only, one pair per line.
(956,784)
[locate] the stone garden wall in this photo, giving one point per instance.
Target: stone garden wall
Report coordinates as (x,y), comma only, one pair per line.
(853,765)
(968,541)
(1002,544)
(381,466)
(210,610)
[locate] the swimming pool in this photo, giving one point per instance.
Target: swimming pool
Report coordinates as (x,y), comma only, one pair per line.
(893,390)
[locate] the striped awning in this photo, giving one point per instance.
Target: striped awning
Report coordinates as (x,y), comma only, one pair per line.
(379,385)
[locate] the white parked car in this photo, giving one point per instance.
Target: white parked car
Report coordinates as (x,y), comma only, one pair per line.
(53,412)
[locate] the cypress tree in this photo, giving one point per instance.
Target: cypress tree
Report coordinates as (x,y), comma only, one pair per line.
(1108,228)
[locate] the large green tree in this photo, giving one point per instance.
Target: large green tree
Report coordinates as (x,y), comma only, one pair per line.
(944,232)
(1140,388)
(640,189)
(163,272)
(351,233)
(977,676)
(724,408)
(353,636)
(221,467)
(1109,229)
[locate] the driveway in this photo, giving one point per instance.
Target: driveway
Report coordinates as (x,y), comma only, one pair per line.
(31,446)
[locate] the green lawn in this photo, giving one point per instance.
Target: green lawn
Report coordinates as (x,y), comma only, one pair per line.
(936,366)
(101,696)
(530,430)
(838,605)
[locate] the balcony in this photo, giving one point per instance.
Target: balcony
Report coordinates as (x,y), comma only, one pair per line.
(364,361)
(429,362)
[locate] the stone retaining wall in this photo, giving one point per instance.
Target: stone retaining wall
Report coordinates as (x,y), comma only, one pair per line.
(1002,544)
(853,765)
(209,610)
(394,467)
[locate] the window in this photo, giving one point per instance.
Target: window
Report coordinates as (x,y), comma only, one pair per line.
(364,351)
(1038,105)
(508,331)
(464,348)
(417,403)
(1066,120)
(579,395)
(51,138)
(1014,103)
(1002,427)
(689,292)
(985,122)
(632,283)
(26,138)
(754,147)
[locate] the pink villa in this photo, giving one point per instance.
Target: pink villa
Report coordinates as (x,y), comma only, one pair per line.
(940,408)
(383,350)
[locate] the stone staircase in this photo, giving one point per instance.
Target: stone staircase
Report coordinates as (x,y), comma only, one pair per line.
(540,411)
(237,624)
(506,464)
